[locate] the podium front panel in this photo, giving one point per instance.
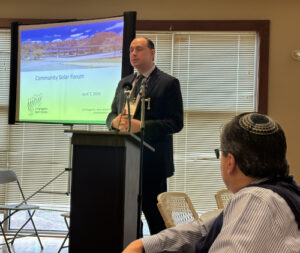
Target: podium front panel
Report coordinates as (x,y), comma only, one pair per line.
(104,192)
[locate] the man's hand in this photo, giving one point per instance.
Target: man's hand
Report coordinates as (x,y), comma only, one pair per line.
(124,124)
(116,121)
(135,247)
(135,125)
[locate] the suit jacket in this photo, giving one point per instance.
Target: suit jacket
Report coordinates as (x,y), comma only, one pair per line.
(164,118)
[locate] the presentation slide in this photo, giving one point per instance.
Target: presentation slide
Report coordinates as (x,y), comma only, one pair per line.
(68,72)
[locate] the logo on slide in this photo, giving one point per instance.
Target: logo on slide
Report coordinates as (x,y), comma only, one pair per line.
(34,102)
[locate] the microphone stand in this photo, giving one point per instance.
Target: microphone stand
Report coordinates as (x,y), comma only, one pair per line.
(140,195)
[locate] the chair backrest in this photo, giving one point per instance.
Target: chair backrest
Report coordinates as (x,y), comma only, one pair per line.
(176,208)
(222,197)
(7,176)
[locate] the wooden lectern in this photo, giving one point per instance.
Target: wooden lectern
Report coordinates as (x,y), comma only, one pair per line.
(104,191)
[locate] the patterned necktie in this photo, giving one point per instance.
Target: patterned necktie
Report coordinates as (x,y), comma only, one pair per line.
(137,87)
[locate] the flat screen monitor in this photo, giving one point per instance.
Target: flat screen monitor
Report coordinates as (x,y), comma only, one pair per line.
(67,72)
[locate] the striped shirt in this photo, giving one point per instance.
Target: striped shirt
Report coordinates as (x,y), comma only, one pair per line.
(255,220)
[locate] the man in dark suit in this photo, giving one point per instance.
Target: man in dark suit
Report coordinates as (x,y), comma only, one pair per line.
(162,119)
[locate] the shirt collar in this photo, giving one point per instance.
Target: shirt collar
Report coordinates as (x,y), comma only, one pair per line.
(148,72)
(258,181)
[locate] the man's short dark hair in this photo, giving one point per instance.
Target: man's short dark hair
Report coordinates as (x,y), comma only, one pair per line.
(150,43)
(258,145)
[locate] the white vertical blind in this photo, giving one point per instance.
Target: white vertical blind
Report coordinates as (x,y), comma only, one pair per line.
(217,73)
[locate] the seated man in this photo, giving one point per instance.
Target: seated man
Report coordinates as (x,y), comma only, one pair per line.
(264,213)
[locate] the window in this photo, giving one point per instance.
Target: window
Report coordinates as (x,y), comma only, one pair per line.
(218,73)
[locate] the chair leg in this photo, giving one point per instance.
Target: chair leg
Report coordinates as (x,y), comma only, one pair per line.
(63,243)
(36,233)
(35,230)
(67,224)
(20,229)
(5,239)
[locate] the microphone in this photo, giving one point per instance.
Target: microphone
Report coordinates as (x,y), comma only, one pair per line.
(143,99)
(127,86)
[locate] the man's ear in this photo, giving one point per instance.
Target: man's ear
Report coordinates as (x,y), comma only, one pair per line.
(231,163)
(153,53)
